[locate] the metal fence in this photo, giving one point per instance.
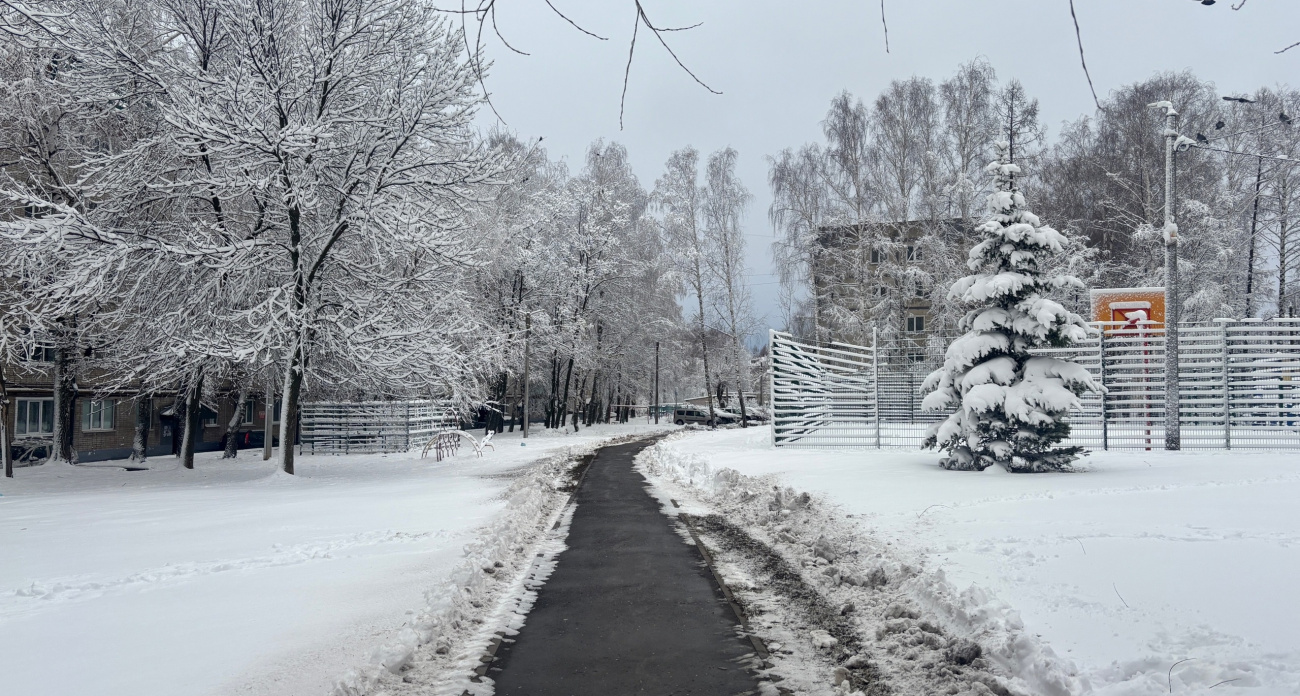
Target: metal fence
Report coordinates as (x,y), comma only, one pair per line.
(1239,387)
(372,426)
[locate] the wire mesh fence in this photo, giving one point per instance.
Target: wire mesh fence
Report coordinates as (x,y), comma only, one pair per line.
(1239,388)
(372,426)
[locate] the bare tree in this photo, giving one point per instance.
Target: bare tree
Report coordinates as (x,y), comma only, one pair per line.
(1018,124)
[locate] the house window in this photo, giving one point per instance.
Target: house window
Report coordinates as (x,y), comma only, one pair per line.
(875,256)
(209,417)
(915,357)
(98,415)
(34,417)
(250,413)
(915,324)
(915,254)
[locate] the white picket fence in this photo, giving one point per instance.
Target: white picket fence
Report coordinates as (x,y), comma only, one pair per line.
(357,427)
(1239,387)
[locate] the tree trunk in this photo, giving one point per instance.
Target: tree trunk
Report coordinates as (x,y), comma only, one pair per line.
(232,426)
(193,420)
(1283,267)
(6,452)
(656,387)
(65,407)
(497,417)
(528,331)
(740,381)
(564,403)
(289,409)
(143,414)
(589,404)
(268,423)
(553,401)
(1254,223)
(704,349)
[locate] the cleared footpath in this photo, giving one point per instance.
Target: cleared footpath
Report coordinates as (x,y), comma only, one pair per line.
(630,608)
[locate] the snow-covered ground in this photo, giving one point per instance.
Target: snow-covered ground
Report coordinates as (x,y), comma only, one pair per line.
(1138,562)
(233,579)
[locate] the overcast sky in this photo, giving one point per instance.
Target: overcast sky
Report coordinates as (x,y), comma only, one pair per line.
(778,64)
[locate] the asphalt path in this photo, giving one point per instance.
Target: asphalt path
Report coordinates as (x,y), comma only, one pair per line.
(630,608)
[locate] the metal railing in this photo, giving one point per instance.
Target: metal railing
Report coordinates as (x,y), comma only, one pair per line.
(372,426)
(1239,387)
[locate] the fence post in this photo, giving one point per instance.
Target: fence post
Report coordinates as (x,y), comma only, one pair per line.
(771,378)
(875,380)
(1101,362)
(1227,393)
(408,426)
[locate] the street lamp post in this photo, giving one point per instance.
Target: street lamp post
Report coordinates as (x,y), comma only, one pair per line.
(1173,421)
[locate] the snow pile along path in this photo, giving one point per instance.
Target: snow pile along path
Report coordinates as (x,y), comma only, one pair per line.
(1142,573)
(843,610)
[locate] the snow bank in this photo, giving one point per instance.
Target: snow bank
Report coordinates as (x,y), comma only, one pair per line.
(1096,582)
(859,568)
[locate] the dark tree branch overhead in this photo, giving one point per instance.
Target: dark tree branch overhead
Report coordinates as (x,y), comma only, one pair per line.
(1242,4)
(658,34)
(883,24)
(575,24)
(1079,37)
(485,11)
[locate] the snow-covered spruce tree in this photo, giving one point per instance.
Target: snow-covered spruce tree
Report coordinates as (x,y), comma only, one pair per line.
(1009,404)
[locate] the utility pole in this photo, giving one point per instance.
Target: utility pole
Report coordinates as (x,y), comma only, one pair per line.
(656,383)
(1173,421)
(528,331)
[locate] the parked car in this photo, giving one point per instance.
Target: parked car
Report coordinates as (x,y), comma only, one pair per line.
(683,415)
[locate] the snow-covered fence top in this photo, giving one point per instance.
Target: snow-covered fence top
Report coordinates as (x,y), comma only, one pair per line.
(372,426)
(1239,386)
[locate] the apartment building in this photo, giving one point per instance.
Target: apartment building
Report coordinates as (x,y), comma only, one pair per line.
(105,421)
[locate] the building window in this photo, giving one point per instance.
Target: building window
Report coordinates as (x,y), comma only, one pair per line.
(209,417)
(915,324)
(915,253)
(915,357)
(34,417)
(875,256)
(40,353)
(250,413)
(98,415)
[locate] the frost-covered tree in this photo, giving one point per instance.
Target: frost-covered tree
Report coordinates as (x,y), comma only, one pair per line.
(725,198)
(800,204)
(1010,404)
(303,169)
(678,196)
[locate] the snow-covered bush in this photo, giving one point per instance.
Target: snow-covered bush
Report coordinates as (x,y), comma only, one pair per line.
(1009,404)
